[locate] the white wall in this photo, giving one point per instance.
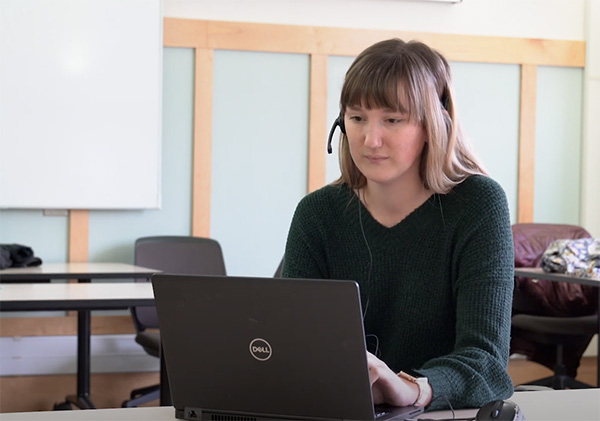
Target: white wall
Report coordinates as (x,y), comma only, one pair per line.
(550,19)
(556,19)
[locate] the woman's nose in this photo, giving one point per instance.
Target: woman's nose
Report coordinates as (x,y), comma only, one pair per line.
(373,135)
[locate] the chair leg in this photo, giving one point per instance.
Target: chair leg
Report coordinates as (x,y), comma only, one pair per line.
(571,383)
(559,380)
(143,391)
(142,395)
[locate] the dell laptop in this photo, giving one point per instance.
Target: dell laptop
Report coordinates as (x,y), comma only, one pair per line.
(264,349)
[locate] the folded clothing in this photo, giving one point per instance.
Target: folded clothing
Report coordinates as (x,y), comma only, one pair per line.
(580,257)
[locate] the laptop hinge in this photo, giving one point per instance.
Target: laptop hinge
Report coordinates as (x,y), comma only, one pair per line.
(197,414)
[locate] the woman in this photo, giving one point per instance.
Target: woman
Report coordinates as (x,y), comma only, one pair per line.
(416,221)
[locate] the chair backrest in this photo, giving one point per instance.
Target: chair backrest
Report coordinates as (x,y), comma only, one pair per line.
(543,297)
(178,255)
(532,239)
(277,273)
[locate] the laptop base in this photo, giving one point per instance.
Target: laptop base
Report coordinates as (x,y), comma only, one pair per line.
(197,414)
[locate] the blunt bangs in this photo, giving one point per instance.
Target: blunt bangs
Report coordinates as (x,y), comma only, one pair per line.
(376,83)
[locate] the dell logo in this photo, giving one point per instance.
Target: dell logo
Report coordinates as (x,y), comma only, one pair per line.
(260,349)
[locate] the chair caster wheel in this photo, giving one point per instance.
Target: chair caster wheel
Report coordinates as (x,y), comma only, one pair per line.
(63,406)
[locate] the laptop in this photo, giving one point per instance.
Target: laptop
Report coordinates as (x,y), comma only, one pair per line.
(264,349)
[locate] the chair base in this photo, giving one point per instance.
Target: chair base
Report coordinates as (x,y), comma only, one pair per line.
(142,395)
(559,382)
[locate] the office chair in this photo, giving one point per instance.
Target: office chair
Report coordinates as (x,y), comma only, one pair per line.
(277,273)
(170,254)
(552,322)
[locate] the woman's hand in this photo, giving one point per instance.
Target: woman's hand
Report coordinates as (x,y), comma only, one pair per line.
(387,387)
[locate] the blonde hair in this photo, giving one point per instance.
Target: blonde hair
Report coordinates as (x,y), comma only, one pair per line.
(374,80)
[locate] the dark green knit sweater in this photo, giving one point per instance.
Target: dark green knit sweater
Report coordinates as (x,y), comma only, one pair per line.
(438,293)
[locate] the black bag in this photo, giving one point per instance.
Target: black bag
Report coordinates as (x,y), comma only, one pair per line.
(17,255)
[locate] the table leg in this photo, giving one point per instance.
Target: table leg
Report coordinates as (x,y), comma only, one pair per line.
(82,398)
(83,360)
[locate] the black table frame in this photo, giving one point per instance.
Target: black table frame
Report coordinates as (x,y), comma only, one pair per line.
(83,307)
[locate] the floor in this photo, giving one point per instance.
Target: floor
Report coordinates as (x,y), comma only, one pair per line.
(40,393)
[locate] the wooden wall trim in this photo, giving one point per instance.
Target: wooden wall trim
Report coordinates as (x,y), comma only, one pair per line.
(79,238)
(203,104)
(319,42)
(317,122)
(526,184)
(63,325)
(79,235)
(349,42)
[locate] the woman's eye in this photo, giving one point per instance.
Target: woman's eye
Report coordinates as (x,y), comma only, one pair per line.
(356,118)
(394,120)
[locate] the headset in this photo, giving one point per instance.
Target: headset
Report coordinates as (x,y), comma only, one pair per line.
(339,122)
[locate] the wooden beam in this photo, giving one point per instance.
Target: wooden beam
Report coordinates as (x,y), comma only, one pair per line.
(318,125)
(219,35)
(203,105)
(526,187)
(78,235)
(184,33)
(63,325)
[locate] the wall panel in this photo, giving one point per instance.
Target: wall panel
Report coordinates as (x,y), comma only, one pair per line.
(487,97)
(255,119)
(558,145)
(259,156)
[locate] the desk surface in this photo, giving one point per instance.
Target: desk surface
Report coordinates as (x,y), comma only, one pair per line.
(539,273)
(572,405)
(75,296)
(76,270)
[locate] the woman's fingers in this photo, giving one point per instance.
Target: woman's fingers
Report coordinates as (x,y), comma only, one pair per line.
(375,371)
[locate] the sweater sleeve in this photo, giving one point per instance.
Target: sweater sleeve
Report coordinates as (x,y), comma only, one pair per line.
(476,371)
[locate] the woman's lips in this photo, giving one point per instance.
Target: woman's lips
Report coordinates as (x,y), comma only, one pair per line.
(375,159)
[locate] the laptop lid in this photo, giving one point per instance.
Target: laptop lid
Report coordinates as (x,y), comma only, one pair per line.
(264,348)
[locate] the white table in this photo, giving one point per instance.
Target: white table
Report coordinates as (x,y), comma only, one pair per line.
(538,273)
(24,294)
(80,271)
(554,405)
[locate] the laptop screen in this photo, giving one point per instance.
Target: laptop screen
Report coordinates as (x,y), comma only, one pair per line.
(275,348)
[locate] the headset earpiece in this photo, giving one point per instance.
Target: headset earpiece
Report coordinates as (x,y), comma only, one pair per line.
(445,99)
(339,122)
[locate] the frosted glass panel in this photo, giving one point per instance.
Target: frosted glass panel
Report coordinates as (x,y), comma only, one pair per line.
(488,97)
(337,67)
(558,145)
(259,155)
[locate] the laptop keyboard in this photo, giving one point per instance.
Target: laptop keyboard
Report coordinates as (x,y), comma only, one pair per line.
(380,413)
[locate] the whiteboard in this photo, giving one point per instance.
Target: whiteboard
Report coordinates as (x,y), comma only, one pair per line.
(80,104)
